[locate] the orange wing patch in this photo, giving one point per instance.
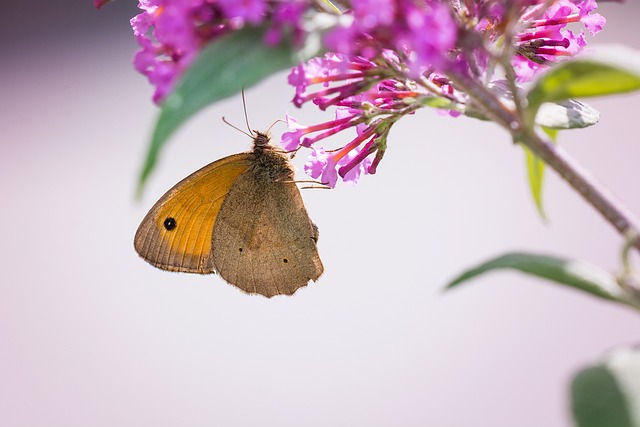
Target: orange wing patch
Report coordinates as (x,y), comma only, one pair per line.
(176,233)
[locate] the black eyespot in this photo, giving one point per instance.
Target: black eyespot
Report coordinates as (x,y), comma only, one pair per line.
(285,260)
(170,224)
(239,249)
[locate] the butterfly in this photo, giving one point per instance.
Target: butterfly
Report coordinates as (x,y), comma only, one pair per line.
(242,217)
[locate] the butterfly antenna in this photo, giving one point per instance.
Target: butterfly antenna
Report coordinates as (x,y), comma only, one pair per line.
(237,128)
(274,123)
(246,116)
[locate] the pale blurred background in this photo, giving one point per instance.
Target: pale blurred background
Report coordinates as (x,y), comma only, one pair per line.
(90,335)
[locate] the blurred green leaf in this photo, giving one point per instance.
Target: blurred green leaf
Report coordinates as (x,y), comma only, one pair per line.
(575,274)
(535,173)
(608,394)
(612,70)
(597,400)
(221,70)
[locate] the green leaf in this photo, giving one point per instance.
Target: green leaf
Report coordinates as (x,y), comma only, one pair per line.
(597,400)
(222,69)
(575,274)
(535,173)
(610,71)
(608,394)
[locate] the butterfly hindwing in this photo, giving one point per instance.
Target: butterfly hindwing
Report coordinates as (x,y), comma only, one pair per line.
(263,240)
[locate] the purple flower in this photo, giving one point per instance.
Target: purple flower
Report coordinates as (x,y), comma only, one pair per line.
(422,32)
(168,39)
(252,11)
(431,33)
(317,166)
(323,165)
(356,162)
(375,13)
(287,17)
(348,162)
(171,33)
(292,140)
(547,39)
(593,22)
(392,57)
(384,58)
(326,70)
(338,80)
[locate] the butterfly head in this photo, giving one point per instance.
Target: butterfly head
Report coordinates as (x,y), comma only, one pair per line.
(260,139)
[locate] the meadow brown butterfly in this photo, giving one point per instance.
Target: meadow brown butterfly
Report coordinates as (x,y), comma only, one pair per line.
(242,217)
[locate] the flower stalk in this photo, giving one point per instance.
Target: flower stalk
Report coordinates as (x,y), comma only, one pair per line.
(594,192)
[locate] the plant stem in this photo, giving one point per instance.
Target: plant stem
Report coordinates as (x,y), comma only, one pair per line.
(586,184)
(557,158)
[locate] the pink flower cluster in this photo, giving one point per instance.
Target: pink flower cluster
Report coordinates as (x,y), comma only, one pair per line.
(546,37)
(171,33)
(386,59)
(419,32)
(394,56)
(363,100)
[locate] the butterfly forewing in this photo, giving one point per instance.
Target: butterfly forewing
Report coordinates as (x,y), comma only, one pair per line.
(176,233)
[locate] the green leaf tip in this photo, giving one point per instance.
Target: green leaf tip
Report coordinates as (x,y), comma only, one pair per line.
(574,274)
(535,173)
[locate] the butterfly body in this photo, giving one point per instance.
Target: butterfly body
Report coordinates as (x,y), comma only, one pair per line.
(242,217)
